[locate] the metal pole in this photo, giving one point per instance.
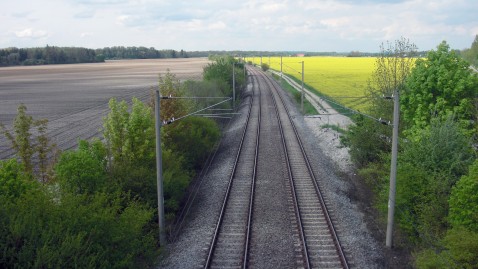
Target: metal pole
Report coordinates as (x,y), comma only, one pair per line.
(281,68)
(233,87)
(302,95)
(393,170)
(159,174)
(261,60)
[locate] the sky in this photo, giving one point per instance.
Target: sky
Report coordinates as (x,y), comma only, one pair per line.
(262,25)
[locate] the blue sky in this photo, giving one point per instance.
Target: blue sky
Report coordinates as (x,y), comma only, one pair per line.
(320,25)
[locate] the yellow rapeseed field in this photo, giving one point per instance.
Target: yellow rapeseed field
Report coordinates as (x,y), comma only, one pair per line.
(342,78)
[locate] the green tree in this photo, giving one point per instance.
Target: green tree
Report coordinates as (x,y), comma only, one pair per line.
(21,139)
(221,69)
(428,168)
(25,146)
(458,250)
(82,171)
(464,201)
(193,138)
(471,54)
(130,143)
(75,231)
(368,139)
(170,85)
(14,182)
(439,86)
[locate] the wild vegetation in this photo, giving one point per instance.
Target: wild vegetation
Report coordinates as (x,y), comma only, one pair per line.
(436,179)
(97,205)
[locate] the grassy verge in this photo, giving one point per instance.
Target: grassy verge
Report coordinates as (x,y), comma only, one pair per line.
(309,109)
(334,127)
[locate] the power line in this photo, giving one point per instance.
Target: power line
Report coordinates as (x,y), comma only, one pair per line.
(166,122)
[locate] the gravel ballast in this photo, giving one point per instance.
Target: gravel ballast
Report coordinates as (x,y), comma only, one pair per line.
(332,166)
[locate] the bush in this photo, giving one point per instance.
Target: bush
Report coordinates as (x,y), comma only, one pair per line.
(74,231)
(84,170)
(193,138)
(366,141)
(464,201)
(264,67)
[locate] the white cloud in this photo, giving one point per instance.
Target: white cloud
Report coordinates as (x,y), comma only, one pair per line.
(217,26)
(328,25)
(86,34)
(31,33)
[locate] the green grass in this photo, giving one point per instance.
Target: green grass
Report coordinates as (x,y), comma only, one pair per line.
(309,109)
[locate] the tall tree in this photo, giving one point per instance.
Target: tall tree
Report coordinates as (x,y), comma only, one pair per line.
(471,54)
(441,85)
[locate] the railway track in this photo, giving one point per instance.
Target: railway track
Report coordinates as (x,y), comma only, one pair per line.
(230,244)
(232,239)
(319,241)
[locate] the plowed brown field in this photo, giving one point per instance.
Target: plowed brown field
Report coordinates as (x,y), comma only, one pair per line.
(74,98)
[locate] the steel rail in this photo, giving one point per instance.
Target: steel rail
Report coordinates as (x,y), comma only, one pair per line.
(228,191)
(289,170)
(329,222)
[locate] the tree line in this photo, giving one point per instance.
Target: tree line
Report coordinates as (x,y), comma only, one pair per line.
(437,174)
(96,206)
(471,54)
(70,55)
(47,55)
(120,52)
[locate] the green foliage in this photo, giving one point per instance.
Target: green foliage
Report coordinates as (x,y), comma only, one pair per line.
(47,55)
(13,180)
(428,168)
(440,86)
(175,179)
(366,140)
(129,136)
(464,201)
(130,146)
(82,171)
(459,248)
(471,54)
(193,138)
(221,69)
(442,148)
(169,85)
(264,67)
(207,88)
(23,143)
(120,52)
(77,231)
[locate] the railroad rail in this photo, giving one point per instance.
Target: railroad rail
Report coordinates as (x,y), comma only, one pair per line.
(319,244)
(230,244)
(319,241)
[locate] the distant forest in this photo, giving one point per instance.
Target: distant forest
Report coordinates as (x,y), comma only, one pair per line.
(69,55)
(47,55)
